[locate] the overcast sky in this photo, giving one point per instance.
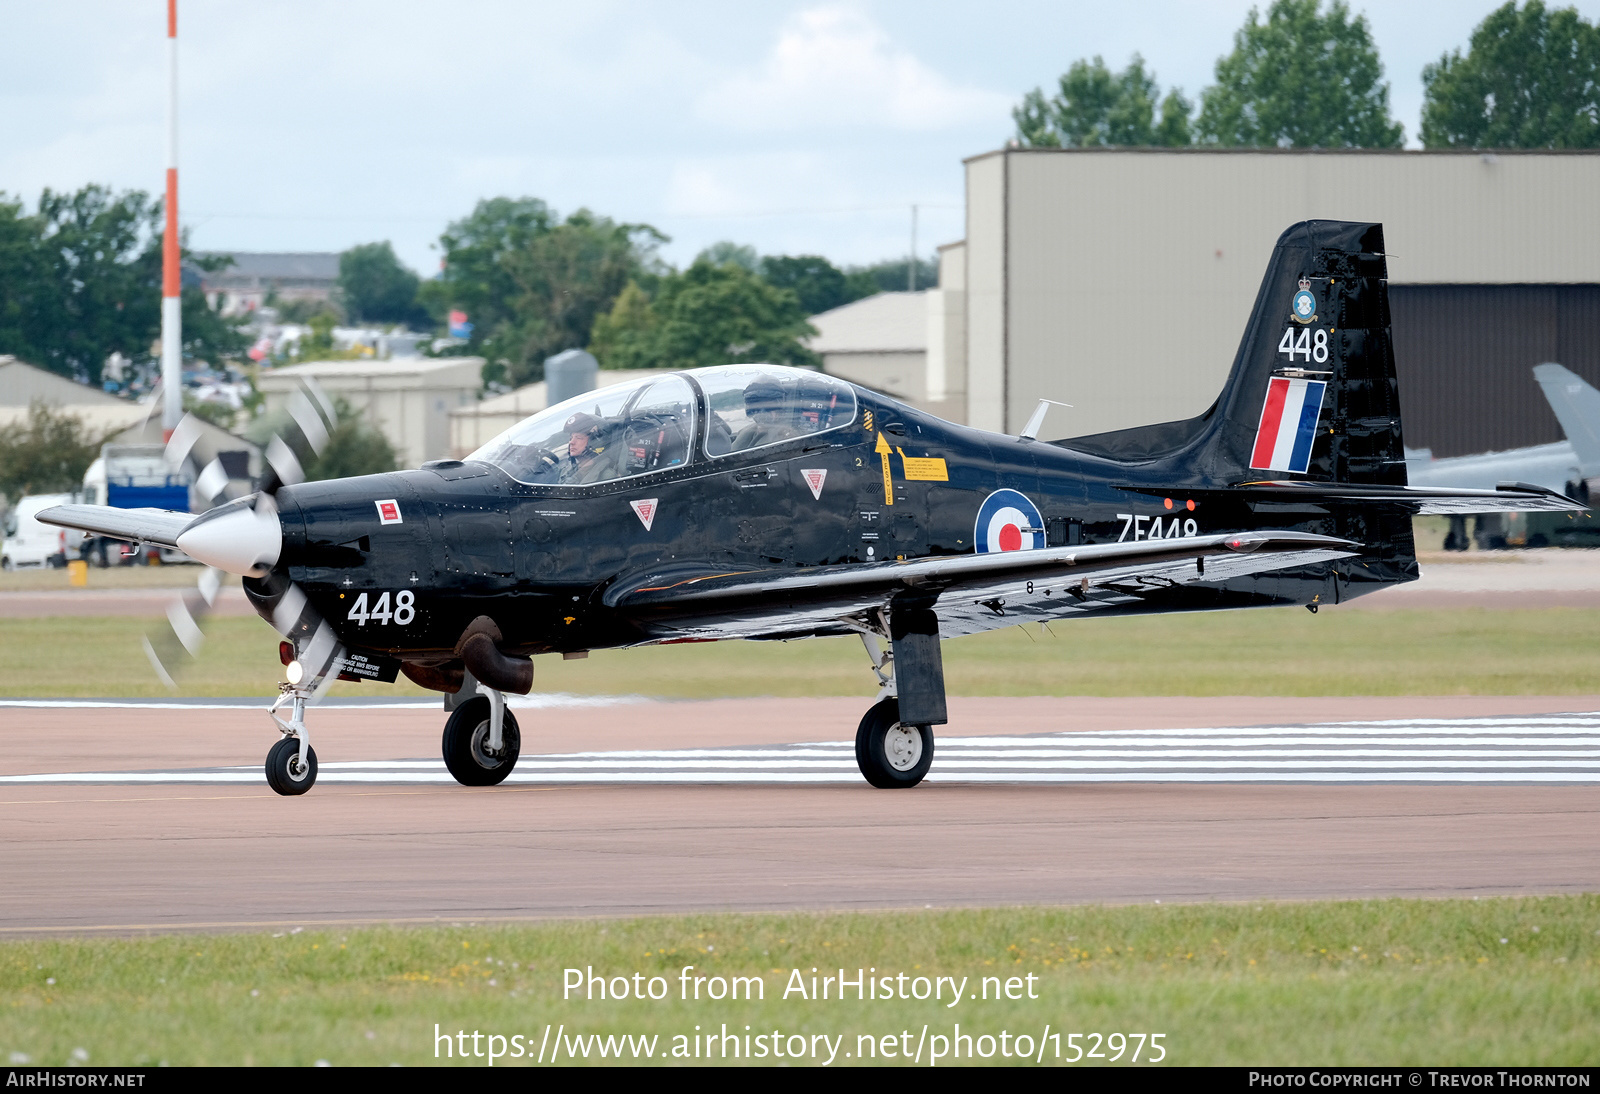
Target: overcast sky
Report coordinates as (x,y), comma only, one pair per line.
(796,127)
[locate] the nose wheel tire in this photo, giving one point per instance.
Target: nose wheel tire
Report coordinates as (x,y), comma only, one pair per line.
(284,772)
(466,745)
(891,755)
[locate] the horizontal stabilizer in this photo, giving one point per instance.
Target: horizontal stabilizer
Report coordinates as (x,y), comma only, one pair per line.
(161,526)
(1506,497)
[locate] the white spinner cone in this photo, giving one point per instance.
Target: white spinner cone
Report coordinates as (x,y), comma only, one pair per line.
(245,541)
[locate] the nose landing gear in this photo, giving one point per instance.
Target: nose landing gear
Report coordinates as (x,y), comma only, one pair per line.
(291,763)
(287,773)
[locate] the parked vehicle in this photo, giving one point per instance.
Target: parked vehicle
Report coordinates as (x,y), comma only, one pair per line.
(29,543)
(133,476)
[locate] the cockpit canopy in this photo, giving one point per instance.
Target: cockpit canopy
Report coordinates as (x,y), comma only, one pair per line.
(649,424)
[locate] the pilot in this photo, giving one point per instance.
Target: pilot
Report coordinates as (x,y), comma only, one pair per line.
(589,457)
(770,420)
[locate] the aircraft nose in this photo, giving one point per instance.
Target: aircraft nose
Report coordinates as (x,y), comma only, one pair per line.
(244,539)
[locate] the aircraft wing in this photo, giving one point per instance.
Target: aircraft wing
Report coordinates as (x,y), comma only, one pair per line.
(777,602)
(161,526)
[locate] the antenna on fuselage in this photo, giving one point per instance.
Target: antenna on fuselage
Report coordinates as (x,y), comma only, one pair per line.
(1030,431)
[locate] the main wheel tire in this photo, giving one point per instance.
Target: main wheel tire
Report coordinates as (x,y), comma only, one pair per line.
(284,773)
(892,756)
(466,745)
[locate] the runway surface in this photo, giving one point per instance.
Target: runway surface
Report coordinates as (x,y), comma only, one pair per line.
(628,808)
(1510,749)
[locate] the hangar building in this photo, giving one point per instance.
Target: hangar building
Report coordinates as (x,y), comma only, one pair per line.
(1120,281)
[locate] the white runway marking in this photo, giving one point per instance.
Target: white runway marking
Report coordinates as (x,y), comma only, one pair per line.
(1558,748)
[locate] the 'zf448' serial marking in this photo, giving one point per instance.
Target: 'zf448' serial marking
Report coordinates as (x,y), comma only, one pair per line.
(1178,528)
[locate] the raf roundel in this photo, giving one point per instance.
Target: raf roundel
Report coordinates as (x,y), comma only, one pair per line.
(1008,521)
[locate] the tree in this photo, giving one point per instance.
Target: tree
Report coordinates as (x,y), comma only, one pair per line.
(1095,107)
(376,287)
(740,254)
(891,275)
(818,283)
(1301,79)
(706,315)
(533,285)
(47,454)
(1530,79)
(353,448)
(81,278)
(626,336)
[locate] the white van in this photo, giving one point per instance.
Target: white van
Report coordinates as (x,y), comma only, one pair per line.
(30,543)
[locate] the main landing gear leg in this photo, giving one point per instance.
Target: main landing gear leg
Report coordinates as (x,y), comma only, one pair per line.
(894,743)
(481,740)
(292,762)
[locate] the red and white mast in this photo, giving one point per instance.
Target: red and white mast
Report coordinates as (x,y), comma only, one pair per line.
(171,276)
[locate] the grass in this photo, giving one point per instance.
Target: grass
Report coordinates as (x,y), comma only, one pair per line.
(1463,982)
(1280,651)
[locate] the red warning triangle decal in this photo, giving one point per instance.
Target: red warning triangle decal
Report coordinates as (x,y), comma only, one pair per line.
(646,511)
(814,479)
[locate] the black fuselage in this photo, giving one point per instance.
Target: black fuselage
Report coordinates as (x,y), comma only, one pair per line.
(471,541)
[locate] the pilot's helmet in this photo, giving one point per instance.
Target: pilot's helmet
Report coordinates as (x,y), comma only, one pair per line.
(763,394)
(582,422)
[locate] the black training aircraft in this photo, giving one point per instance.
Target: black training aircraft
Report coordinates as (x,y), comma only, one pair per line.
(752,501)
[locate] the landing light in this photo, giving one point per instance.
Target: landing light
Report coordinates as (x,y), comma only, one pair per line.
(295,672)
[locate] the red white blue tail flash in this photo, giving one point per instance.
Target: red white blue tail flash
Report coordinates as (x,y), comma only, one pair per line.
(1288,425)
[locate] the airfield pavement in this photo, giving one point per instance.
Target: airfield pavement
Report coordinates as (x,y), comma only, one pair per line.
(130,857)
(134,852)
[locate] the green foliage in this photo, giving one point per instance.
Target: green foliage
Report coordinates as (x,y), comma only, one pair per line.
(818,283)
(706,315)
(218,414)
(627,336)
(303,309)
(81,278)
(890,276)
(353,448)
(376,287)
(1095,107)
(47,454)
(1304,78)
(726,251)
(1530,79)
(533,285)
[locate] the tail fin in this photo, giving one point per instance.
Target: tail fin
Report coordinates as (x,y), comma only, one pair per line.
(1312,391)
(1577,408)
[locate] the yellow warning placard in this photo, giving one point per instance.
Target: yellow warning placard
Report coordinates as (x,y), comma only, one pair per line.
(925,469)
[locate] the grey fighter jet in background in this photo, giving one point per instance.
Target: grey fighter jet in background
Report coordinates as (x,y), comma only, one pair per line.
(1563,466)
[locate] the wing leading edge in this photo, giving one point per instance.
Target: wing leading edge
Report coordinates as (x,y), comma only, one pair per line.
(161,526)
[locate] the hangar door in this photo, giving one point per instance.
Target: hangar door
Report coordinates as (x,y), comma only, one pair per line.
(1464,356)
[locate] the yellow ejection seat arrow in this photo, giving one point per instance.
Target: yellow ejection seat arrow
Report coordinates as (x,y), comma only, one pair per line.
(888,483)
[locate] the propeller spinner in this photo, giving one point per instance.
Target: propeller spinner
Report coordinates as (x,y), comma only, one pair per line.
(243,536)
